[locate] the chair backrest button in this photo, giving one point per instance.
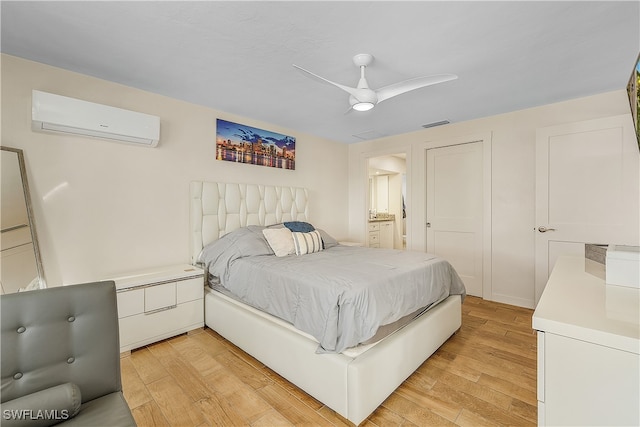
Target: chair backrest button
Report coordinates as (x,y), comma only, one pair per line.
(71,318)
(71,360)
(17,376)
(21,329)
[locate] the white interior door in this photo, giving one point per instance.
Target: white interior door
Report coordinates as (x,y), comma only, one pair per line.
(455,210)
(586,189)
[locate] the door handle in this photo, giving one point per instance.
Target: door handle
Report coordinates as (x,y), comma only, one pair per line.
(544,229)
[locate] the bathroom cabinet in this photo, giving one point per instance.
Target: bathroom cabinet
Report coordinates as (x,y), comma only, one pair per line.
(159,303)
(386,234)
(381,234)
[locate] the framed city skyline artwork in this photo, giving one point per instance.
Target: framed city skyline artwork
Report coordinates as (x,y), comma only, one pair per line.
(245,144)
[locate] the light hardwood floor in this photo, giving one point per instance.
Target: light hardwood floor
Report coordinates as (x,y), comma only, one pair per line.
(484,375)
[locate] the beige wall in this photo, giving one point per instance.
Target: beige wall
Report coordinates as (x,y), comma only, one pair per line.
(104,208)
(512,174)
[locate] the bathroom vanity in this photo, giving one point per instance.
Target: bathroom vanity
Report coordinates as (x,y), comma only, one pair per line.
(380,233)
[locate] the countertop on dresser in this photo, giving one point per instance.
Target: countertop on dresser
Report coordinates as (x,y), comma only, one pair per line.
(157,275)
(588,361)
(580,305)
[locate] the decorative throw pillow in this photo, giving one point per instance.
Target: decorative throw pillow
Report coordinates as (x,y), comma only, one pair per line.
(327,240)
(280,240)
(299,226)
(307,243)
(61,402)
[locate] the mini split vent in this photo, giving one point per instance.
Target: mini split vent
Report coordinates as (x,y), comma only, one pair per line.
(55,113)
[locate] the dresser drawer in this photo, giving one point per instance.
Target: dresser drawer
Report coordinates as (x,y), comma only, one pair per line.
(374,226)
(139,330)
(130,302)
(189,290)
(374,237)
(159,296)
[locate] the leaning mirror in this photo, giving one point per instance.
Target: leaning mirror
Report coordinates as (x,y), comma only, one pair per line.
(20,262)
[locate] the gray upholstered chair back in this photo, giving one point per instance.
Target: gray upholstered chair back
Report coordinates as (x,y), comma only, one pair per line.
(59,335)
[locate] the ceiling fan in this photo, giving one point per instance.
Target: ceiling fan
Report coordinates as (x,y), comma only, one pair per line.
(363,98)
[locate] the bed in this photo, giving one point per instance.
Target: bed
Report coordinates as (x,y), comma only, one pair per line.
(352,381)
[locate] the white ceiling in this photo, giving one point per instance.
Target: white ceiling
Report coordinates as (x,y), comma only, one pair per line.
(237,56)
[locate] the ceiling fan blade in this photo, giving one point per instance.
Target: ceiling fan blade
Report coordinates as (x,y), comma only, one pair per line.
(412,84)
(350,90)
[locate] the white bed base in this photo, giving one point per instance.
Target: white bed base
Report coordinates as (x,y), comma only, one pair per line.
(352,386)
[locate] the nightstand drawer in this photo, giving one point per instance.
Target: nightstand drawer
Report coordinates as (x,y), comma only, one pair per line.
(374,238)
(189,290)
(374,226)
(142,329)
(130,302)
(159,296)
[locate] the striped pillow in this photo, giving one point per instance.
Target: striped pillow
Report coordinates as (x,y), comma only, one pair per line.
(307,243)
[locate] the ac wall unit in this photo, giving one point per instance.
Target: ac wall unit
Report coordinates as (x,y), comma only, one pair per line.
(55,113)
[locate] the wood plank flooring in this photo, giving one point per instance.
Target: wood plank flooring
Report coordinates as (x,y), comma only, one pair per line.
(485,375)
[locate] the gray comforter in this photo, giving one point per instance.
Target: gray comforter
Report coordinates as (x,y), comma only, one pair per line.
(340,295)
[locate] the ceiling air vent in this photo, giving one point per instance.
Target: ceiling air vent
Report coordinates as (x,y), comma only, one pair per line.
(370,134)
(434,124)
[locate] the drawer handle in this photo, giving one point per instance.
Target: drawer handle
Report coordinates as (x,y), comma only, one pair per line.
(171,307)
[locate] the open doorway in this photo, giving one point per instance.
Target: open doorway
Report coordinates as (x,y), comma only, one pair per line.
(387,201)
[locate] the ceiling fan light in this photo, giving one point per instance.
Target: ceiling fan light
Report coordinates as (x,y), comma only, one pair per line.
(363,106)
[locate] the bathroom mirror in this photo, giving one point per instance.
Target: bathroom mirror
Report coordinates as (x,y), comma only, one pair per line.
(20,257)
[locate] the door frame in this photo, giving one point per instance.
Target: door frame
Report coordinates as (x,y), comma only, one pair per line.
(470,151)
(364,173)
(419,210)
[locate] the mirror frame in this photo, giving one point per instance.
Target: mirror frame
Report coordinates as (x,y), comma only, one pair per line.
(30,214)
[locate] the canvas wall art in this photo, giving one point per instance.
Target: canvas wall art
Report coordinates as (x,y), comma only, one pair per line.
(245,144)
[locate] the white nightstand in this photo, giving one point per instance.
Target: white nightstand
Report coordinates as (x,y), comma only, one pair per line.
(351,243)
(159,303)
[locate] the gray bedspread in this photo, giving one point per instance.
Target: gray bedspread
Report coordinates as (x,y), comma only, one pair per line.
(340,295)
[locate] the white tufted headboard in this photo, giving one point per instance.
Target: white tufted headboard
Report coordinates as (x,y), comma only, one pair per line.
(218,208)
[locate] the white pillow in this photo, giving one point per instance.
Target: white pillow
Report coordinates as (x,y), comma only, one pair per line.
(307,243)
(280,240)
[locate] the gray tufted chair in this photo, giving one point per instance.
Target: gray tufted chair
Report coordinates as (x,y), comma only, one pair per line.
(60,353)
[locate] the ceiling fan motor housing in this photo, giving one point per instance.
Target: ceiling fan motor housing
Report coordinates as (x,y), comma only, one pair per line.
(363,59)
(364,96)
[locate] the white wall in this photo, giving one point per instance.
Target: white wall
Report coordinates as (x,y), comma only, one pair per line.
(105,208)
(512,195)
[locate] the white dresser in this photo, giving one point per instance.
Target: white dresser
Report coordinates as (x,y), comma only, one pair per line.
(159,303)
(588,349)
